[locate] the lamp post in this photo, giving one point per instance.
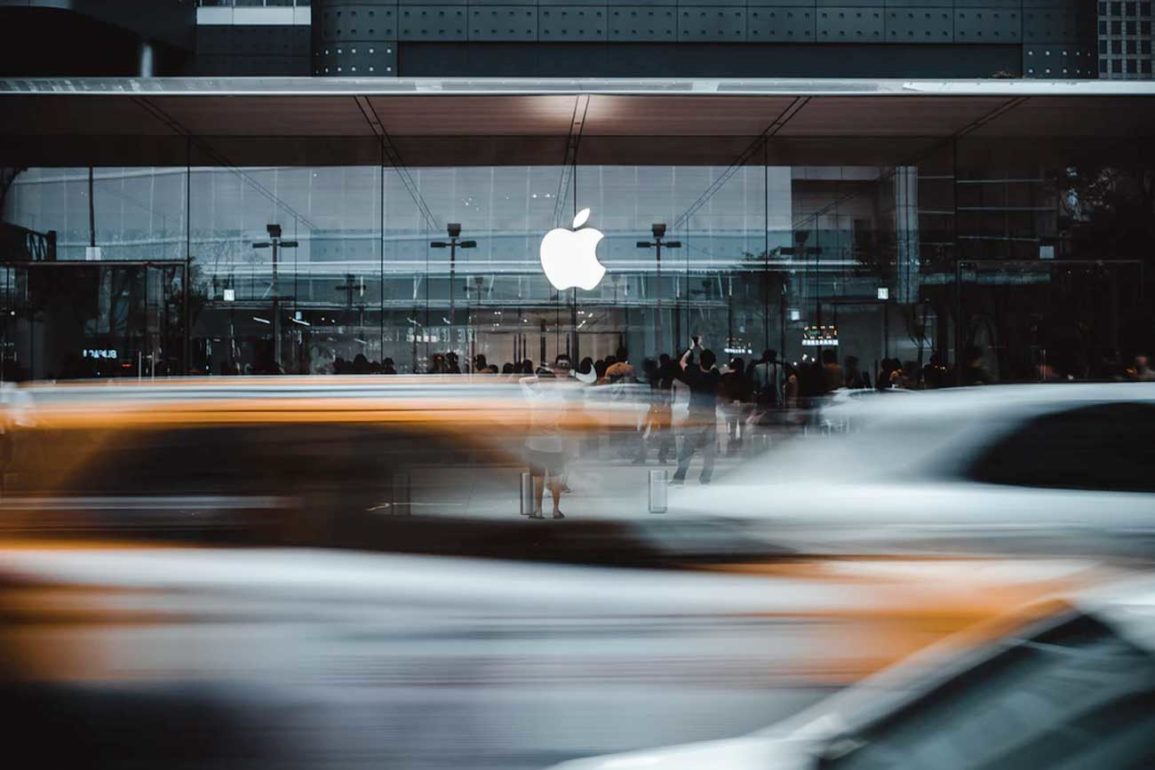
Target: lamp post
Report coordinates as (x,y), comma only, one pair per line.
(658,230)
(276,243)
(453,229)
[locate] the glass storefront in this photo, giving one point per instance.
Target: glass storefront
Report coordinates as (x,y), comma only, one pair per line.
(767,254)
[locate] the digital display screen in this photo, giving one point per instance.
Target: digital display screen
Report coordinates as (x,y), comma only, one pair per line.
(820,336)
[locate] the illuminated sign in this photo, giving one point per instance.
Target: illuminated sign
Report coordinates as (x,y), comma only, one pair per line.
(100,353)
(820,337)
(569,258)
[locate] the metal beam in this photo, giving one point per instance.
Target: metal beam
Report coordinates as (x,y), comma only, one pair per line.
(390,153)
(569,162)
(756,146)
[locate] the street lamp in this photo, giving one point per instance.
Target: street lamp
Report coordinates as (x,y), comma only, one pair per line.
(658,230)
(453,229)
(276,243)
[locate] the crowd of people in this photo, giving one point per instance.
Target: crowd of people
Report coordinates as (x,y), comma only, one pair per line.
(797,384)
(736,396)
(694,405)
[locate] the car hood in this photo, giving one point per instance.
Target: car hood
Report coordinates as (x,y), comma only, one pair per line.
(748,753)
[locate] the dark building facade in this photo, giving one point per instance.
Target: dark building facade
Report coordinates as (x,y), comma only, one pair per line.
(707,38)
(1046,39)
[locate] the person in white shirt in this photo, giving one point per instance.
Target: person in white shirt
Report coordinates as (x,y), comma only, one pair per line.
(545,446)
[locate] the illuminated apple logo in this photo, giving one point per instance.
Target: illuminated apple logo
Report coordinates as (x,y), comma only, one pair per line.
(570,257)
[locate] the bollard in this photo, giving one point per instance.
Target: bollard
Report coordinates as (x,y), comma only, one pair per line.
(657,491)
(526,494)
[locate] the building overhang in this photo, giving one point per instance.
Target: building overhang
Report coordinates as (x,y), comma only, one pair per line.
(165,21)
(436,122)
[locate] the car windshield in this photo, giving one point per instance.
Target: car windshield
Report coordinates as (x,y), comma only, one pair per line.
(1075,696)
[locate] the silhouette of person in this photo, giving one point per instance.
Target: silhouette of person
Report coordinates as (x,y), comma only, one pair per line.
(701,428)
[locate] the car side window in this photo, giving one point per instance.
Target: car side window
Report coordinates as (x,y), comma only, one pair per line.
(1109,447)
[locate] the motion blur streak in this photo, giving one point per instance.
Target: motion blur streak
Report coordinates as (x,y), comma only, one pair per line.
(273,573)
(311,658)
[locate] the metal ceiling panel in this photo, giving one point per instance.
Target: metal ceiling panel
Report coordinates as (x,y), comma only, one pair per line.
(53,115)
(252,115)
(1074,117)
(889,116)
(458,115)
(682,115)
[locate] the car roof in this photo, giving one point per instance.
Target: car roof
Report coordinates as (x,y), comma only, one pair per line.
(994,400)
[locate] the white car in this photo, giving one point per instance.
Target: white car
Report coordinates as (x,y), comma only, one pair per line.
(1074,691)
(1040,466)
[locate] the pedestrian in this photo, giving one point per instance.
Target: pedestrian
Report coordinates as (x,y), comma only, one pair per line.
(544,447)
(585,372)
(1141,370)
(768,380)
(832,376)
(736,394)
(388,367)
(934,374)
(604,379)
(621,370)
(701,429)
(973,371)
(854,377)
(661,417)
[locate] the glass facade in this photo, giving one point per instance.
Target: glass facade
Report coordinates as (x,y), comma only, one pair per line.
(903,260)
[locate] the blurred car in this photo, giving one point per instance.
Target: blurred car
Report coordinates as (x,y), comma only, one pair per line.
(1042,467)
(342,461)
(138,655)
(1073,690)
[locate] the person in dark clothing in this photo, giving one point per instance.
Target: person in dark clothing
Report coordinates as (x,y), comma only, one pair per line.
(388,367)
(659,419)
(701,430)
(767,380)
(265,361)
(736,393)
(854,378)
(934,374)
(973,371)
(832,375)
